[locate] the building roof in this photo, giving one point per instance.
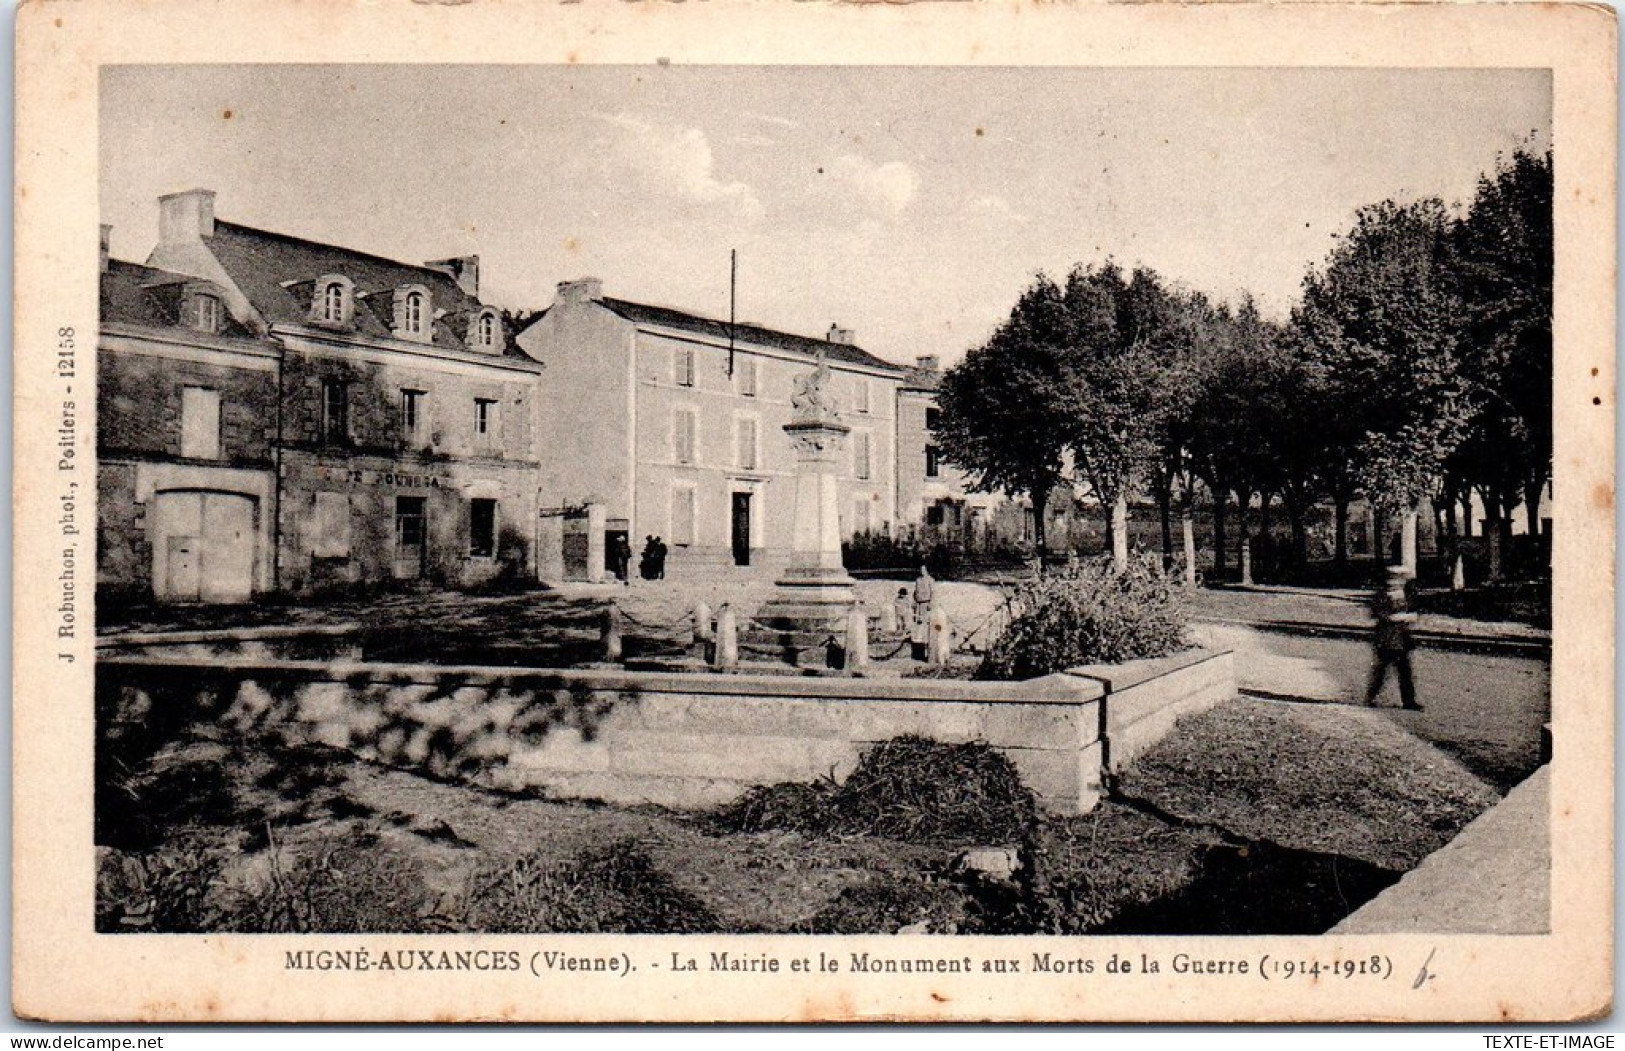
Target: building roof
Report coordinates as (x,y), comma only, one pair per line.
(643,313)
(142,295)
(922,379)
(277,272)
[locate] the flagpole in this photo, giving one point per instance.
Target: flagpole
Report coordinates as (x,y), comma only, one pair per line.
(733,281)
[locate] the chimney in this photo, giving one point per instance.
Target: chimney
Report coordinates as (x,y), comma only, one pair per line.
(928,363)
(837,334)
(184,217)
(581,290)
(463,269)
(107,235)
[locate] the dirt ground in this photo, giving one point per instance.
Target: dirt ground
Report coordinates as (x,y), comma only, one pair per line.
(313,840)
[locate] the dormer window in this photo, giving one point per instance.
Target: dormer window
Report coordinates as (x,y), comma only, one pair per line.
(414,317)
(333,301)
(207,314)
(203,312)
(485,331)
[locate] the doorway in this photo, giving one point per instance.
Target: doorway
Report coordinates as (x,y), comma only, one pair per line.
(741,529)
(205,547)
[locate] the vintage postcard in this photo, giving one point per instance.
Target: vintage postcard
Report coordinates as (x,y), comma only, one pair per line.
(814,512)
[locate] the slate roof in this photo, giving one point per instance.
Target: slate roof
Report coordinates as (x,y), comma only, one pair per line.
(133,294)
(643,313)
(277,272)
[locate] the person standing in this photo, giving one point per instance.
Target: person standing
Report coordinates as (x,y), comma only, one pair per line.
(1393,642)
(622,558)
(924,597)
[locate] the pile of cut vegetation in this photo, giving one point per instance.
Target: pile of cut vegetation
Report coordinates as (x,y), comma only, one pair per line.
(908,788)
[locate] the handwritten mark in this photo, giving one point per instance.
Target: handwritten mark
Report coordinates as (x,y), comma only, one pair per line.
(1424,975)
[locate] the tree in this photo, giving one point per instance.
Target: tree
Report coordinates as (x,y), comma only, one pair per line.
(1504,261)
(1126,346)
(1004,408)
(1381,324)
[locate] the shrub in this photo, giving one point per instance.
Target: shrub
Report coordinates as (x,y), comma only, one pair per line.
(166,891)
(1089,614)
(908,788)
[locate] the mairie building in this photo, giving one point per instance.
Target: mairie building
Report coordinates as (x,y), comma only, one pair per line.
(663,423)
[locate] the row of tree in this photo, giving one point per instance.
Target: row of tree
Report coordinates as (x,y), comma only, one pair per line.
(1417,365)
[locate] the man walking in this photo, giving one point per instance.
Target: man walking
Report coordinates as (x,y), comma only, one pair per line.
(1393,642)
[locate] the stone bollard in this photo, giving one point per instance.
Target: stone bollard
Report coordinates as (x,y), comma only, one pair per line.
(1458,575)
(1247,564)
(940,642)
(701,628)
(727,644)
(611,636)
(857,639)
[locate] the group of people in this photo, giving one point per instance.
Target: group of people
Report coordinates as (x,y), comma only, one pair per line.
(651,564)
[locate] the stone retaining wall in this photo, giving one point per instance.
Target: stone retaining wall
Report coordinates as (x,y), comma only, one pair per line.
(679,740)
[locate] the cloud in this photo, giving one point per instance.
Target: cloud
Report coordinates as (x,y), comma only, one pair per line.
(998,208)
(886,188)
(679,161)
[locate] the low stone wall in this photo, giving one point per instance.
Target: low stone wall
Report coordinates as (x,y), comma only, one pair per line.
(1145,698)
(679,740)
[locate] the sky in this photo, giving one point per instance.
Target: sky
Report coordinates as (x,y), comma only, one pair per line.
(911,205)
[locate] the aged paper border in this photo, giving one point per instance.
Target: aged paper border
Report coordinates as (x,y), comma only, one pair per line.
(64,971)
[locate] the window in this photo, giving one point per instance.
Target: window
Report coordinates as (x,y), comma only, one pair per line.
(933,461)
(860,454)
(745,376)
(335,411)
(200,423)
(860,399)
(488,331)
(683,435)
(412,406)
(485,420)
(482,528)
(933,515)
(682,516)
(330,526)
(333,301)
(411,522)
(933,419)
(206,313)
(683,367)
(746,452)
(412,322)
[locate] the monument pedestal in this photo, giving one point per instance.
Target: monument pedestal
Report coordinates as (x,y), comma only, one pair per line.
(814,594)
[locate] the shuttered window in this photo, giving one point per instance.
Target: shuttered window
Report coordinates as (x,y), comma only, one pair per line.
(682,516)
(683,435)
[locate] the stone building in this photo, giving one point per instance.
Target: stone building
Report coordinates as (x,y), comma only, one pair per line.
(186,410)
(934,501)
(656,424)
(370,420)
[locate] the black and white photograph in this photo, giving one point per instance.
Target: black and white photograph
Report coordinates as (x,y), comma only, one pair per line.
(871,506)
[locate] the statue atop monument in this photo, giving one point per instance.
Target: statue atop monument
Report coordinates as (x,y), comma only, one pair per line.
(808,397)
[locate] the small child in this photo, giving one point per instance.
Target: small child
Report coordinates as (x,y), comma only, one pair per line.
(903,609)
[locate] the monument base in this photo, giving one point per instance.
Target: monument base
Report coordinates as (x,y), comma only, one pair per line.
(809,600)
